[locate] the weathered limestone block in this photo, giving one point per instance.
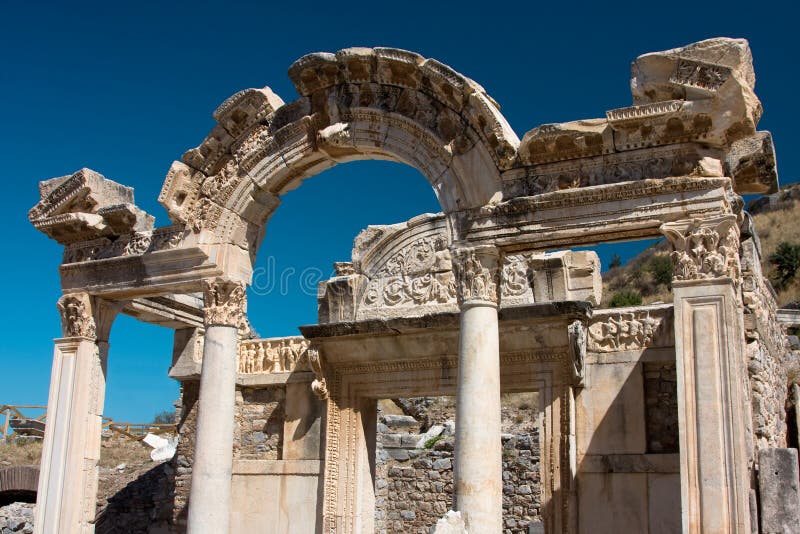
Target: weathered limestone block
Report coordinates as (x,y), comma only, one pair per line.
(451,523)
(86,206)
(778,480)
(751,163)
(716,75)
(568,140)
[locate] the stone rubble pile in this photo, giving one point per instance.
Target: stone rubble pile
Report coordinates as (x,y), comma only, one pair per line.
(16,518)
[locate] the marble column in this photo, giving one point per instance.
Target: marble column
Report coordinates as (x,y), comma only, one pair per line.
(210,492)
(67,491)
(712,375)
(478,454)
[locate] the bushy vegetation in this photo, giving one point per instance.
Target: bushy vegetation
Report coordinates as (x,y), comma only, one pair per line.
(167,417)
(786,260)
(626,298)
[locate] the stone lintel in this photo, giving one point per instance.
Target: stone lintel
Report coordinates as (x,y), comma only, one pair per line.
(591,215)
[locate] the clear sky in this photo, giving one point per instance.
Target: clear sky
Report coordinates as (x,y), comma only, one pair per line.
(126,87)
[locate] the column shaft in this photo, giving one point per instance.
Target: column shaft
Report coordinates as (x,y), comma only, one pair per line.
(478,454)
(210,493)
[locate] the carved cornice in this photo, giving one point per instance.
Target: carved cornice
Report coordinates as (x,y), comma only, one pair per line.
(477,271)
(704,249)
(76,316)
(224,302)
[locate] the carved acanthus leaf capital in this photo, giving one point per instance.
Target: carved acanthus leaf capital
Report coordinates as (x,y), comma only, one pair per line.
(224,302)
(705,248)
(319,386)
(477,271)
(76,316)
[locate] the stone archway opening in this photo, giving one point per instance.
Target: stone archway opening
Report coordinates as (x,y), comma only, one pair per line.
(18,484)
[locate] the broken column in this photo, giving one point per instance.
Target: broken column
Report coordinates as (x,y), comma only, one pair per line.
(478,469)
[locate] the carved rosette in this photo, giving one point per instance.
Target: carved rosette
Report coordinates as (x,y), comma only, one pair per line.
(477,272)
(76,317)
(319,386)
(704,249)
(224,302)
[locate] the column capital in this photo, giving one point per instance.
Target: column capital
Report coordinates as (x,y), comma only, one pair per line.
(223,302)
(76,316)
(477,273)
(704,249)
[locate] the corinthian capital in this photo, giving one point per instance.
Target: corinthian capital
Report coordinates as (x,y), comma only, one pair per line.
(477,274)
(224,302)
(704,248)
(76,316)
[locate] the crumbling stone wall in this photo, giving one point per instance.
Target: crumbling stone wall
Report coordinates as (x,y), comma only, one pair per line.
(661,407)
(767,352)
(186,416)
(258,433)
(414,473)
(144,506)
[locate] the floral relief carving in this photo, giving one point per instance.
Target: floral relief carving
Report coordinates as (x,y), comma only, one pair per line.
(515,276)
(420,273)
(477,273)
(224,302)
(705,249)
(76,320)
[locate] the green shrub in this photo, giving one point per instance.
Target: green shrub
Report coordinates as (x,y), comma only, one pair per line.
(626,298)
(660,268)
(429,443)
(616,261)
(786,260)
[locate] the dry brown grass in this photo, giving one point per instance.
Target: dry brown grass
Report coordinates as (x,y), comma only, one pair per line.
(113,453)
(20,452)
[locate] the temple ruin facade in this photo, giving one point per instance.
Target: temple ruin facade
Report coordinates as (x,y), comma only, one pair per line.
(484,298)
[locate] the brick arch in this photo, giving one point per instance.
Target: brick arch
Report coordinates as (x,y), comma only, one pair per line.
(359,103)
(18,484)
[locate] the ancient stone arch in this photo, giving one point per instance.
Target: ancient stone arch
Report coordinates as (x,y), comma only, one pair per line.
(18,484)
(359,103)
(480,299)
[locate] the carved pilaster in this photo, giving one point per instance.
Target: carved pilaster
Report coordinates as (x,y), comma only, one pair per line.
(224,302)
(477,271)
(76,316)
(705,249)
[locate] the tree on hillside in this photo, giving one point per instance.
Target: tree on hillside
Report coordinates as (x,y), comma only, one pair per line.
(786,260)
(167,417)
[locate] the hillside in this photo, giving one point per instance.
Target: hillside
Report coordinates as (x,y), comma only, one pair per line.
(645,278)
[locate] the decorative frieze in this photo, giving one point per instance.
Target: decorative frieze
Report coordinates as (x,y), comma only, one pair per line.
(705,248)
(477,275)
(630,329)
(76,316)
(275,355)
(224,302)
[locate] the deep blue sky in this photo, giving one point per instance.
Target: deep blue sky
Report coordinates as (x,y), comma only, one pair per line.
(126,87)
